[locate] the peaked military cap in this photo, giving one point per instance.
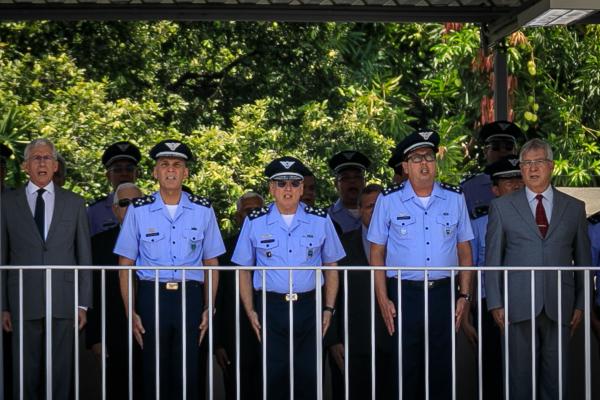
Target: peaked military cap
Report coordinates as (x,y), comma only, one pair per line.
(349,159)
(285,168)
(506,167)
(121,151)
(500,131)
(416,140)
(5,151)
(171,148)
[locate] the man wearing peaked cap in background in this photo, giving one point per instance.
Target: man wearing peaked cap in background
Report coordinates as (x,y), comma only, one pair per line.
(120,160)
(349,168)
(499,139)
(422,223)
(170,228)
(288,233)
(395,162)
(506,178)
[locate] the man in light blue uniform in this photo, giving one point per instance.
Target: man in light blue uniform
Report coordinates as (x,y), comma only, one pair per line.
(499,139)
(120,160)
(170,228)
(505,175)
(422,223)
(288,233)
(349,167)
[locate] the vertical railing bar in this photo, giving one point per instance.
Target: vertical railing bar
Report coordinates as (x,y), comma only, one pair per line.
(264,331)
(399,333)
(587,339)
(480,333)
(319,334)
(129,333)
(237,335)
(103,329)
(76,328)
(48,334)
(453,330)
(533,352)
(184,335)
(506,341)
(373,359)
(21,385)
(426,318)
(211,372)
(291,334)
(157,333)
(346,340)
(560,370)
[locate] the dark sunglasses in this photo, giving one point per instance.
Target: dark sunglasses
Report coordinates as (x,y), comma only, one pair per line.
(282,184)
(124,203)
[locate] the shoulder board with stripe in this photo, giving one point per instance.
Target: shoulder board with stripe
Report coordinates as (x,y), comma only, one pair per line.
(321,212)
(480,211)
(98,200)
(143,201)
(452,188)
(393,188)
(203,201)
(594,218)
(258,212)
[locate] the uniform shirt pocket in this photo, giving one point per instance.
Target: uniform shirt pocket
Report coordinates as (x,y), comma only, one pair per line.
(448,224)
(404,226)
(311,246)
(193,239)
(266,247)
(152,245)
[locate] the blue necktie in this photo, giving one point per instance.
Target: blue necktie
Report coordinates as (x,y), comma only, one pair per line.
(39,213)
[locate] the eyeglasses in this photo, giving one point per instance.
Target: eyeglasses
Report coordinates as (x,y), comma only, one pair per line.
(282,184)
(533,163)
(39,159)
(499,146)
(418,158)
(124,203)
(121,169)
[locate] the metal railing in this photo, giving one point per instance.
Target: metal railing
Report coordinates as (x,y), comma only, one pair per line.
(318,307)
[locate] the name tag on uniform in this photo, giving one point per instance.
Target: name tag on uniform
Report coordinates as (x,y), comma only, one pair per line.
(152,234)
(402,216)
(267,241)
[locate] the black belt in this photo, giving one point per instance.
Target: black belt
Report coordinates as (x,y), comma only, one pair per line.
(285,297)
(175,285)
(430,284)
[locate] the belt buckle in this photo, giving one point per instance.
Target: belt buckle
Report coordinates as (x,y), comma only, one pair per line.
(172,286)
(291,296)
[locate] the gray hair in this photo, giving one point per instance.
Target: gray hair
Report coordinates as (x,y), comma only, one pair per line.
(536,144)
(126,185)
(40,142)
(247,195)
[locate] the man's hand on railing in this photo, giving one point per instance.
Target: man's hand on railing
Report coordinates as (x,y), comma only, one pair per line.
(336,352)
(6,321)
(388,311)
(253,318)
(498,315)
(576,320)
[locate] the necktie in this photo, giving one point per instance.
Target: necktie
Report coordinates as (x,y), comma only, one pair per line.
(39,213)
(540,216)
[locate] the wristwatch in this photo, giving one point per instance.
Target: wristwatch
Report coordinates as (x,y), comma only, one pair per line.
(467,296)
(330,309)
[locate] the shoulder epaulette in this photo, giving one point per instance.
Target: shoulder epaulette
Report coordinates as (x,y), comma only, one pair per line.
(467,177)
(480,212)
(452,188)
(203,201)
(258,212)
(96,201)
(142,201)
(393,188)
(594,218)
(321,212)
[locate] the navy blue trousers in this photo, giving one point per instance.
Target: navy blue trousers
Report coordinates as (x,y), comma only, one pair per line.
(170,340)
(305,354)
(413,341)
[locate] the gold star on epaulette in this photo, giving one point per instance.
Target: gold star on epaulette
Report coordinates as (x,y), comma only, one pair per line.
(594,219)
(142,201)
(203,201)
(258,212)
(452,188)
(320,212)
(393,188)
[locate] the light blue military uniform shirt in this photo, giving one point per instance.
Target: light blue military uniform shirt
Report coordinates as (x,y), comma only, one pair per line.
(479,225)
(343,217)
(266,240)
(420,236)
(100,215)
(594,233)
(478,192)
(151,237)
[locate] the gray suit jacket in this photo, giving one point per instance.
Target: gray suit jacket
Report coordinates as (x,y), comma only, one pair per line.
(513,239)
(67,243)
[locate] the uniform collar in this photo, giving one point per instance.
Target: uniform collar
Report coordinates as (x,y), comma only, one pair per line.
(338,206)
(158,203)
(275,216)
(409,193)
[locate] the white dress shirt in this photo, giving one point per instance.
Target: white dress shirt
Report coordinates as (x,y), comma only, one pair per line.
(547,201)
(48,196)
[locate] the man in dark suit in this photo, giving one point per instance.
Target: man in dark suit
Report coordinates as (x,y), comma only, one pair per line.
(43,224)
(250,351)
(537,226)
(357,250)
(117,352)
